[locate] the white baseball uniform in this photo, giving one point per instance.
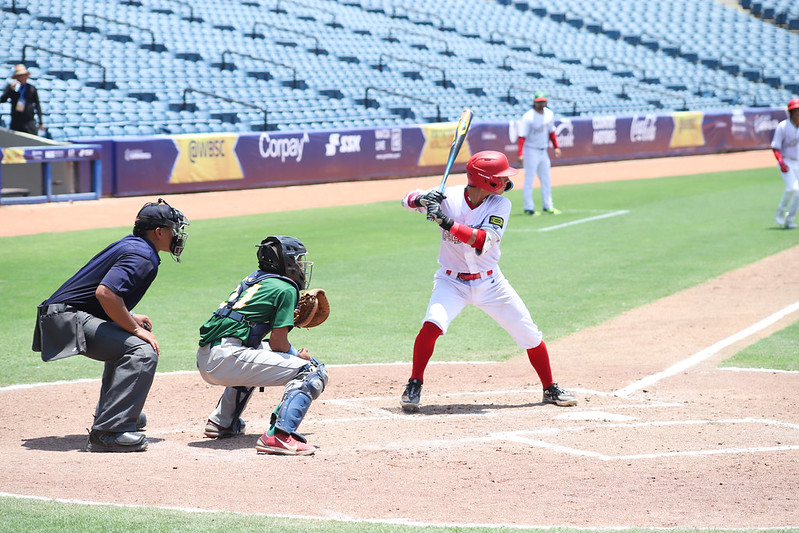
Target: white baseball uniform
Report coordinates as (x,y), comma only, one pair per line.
(786,140)
(484,285)
(535,128)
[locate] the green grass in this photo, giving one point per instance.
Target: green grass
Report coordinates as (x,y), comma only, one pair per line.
(377,261)
(777,352)
(47,516)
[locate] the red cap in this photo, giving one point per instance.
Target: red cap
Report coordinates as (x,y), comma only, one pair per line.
(793,104)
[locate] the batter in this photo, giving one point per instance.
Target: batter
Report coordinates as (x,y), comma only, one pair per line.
(785,145)
(473,219)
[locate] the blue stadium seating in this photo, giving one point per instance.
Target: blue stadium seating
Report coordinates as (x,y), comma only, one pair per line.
(133,67)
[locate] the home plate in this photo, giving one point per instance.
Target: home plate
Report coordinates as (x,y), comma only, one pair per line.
(594,415)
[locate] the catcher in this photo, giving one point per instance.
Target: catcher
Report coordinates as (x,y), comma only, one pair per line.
(235,353)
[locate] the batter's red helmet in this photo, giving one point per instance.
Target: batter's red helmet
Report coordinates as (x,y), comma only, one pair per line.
(793,104)
(485,169)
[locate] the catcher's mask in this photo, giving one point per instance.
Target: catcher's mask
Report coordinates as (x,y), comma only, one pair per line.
(286,256)
(162,215)
(487,168)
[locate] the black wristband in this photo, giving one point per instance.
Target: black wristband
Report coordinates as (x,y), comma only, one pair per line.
(446,222)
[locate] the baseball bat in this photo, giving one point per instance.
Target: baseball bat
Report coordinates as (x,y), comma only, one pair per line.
(460,135)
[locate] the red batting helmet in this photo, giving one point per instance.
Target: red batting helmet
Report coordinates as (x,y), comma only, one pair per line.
(793,104)
(485,168)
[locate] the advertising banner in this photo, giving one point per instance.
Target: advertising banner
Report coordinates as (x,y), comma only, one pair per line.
(203,162)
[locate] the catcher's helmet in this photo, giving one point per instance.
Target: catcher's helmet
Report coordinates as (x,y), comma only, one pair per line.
(285,256)
(793,104)
(540,96)
(485,170)
(162,215)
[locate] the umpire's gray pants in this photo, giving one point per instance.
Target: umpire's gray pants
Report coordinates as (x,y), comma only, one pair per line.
(128,375)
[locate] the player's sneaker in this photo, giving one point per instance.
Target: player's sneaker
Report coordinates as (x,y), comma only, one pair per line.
(412,396)
(552,211)
(556,395)
(215,431)
(282,444)
(790,225)
(530,212)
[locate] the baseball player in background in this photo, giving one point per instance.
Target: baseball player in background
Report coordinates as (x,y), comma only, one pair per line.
(233,352)
(473,219)
(536,131)
(785,145)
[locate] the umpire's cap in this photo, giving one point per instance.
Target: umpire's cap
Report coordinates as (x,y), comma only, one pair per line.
(158,215)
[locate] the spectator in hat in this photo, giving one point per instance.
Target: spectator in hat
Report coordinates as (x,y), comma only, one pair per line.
(24,102)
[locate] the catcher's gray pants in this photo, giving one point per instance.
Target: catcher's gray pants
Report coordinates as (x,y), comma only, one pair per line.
(233,365)
(128,375)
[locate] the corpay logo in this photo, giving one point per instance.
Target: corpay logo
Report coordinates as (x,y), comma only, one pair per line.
(345,144)
(282,148)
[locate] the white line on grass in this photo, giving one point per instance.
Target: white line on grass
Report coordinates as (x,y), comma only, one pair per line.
(707,352)
(574,222)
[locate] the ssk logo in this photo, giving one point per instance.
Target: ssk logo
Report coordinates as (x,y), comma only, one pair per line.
(345,144)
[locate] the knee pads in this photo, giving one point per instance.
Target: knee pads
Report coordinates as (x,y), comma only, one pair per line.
(306,387)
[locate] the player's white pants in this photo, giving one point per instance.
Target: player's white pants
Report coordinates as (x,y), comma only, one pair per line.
(536,162)
(493,294)
(233,365)
(789,203)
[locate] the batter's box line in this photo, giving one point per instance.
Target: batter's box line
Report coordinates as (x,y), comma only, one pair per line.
(518,436)
(372,414)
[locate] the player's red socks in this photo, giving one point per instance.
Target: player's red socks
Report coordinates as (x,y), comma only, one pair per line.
(539,358)
(423,348)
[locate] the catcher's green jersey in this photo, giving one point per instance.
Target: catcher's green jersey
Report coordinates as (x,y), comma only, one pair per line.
(271,300)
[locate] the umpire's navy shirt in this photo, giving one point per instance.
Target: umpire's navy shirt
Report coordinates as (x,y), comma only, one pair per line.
(127,267)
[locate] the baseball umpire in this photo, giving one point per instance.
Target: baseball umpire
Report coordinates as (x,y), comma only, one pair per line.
(233,352)
(90,314)
(473,219)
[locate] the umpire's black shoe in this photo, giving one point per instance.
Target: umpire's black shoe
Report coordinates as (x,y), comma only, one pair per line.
(412,396)
(110,441)
(141,422)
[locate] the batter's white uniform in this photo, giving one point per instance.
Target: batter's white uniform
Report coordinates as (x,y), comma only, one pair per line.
(491,292)
(786,140)
(535,128)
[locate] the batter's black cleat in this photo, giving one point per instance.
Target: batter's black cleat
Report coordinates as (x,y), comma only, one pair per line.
(555,395)
(412,396)
(110,441)
(215,431)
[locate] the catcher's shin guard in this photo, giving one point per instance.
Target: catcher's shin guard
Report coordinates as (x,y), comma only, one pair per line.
(299,393)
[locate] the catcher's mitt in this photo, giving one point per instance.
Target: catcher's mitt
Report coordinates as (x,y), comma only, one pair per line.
(313,308)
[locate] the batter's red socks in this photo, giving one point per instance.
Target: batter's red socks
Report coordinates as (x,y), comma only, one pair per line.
(423,348)
(539,358)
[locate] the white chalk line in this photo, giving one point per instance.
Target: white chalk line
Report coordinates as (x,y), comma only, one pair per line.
(708,352)
(572,222)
